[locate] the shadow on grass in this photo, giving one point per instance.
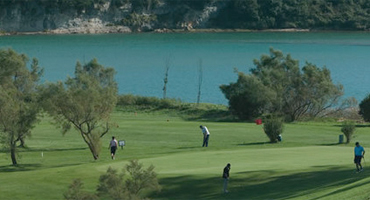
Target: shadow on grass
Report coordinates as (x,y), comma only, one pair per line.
(19,167)
(333,144)
(255,143)
(194,147)
(52,149)
(210,116)
(264,185)
(26,149)
(32,167)
(357,125)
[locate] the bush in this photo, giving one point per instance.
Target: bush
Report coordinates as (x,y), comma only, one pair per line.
(75,192)
(126,100)
(133,183)
(348,129)
(116,186)
(140,179)
(148,102)
(273,127)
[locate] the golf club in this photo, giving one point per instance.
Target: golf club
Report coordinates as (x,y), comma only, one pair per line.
(363,157)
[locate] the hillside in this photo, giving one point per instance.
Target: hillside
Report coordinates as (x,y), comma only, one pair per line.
(105,16)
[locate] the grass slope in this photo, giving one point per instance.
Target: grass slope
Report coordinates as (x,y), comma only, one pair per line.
(308,164)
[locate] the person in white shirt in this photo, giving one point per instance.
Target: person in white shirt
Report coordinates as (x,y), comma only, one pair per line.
(205,135)
(113,147)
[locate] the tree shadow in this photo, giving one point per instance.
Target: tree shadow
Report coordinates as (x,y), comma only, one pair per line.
(255,143)
(333,144)
(264,185)
(19,167)
(357,125)
(27,149)
(211,116)
(52,149)
(197,147)
(362,125)
(32,167)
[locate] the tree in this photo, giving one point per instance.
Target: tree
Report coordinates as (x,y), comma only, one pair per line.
(84,102)
(365,108)
(165,80)
(200,80)
(18,98)
(248,97)
(137,21)
(297,92)
(144,6)
(282,75)
(320,93)
(247,11)
(348,129)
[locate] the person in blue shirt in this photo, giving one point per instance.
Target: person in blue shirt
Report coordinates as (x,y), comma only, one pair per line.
(359,154)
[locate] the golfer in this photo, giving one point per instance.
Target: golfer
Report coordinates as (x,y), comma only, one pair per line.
(225,176)
(113,147)
(205,135)
(359,154)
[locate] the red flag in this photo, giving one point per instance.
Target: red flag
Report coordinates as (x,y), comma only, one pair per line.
(258,121)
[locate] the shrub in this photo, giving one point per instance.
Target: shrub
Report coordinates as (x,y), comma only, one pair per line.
(113,186)
(140,179)
(348,129)
(148,102)
(75,192)
(126,100)
(133,183)
(273,127)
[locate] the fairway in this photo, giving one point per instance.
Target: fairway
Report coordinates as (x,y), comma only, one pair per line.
(308,164)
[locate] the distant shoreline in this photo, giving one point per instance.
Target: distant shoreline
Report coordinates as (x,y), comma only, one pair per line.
(212,30)
(164,30)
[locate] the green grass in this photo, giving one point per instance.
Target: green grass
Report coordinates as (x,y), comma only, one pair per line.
(308,164)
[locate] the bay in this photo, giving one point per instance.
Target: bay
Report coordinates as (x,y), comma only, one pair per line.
(140,59)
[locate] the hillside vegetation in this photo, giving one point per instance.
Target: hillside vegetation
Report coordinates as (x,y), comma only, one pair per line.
(149,15)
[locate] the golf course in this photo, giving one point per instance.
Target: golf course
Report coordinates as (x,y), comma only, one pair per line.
(308,164)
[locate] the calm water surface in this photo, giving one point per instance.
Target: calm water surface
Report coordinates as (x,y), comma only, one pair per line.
(140,59)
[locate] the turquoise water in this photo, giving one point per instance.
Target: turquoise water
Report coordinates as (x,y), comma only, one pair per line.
(140,59)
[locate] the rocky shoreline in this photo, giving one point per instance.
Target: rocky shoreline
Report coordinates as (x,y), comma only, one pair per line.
(125,29)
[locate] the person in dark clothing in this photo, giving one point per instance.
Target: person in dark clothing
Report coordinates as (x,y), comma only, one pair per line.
(359,154)
(113,147)
(225,176)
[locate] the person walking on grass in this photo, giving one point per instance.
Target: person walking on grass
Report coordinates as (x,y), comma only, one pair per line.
(113,147)
(205,135)
(225,176)
(359,154)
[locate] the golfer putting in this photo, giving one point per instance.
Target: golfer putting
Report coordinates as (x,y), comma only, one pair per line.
(205,135)
(359,154)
